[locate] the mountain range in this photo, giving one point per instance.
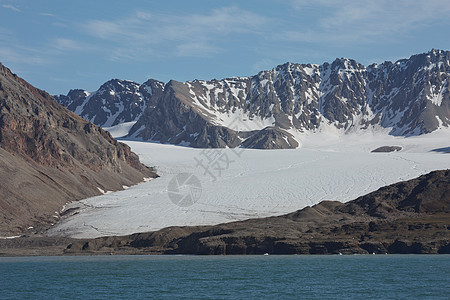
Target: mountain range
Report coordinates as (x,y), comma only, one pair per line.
(272,109)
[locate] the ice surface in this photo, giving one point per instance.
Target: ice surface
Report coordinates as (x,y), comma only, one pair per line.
(255,183)
(120,130)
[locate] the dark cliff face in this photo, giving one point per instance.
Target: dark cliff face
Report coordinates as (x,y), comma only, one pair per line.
(410,97)
(50,156)
(174,120)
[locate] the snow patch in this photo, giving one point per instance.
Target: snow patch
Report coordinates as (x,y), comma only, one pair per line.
(104,192)
(309,71)
(439,121)
(437,95)
(120,130)
(9,237)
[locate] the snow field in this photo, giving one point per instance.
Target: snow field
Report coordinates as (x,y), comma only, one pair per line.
(238,184)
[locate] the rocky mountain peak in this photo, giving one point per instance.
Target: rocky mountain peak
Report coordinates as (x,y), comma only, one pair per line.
(115,102)
(406,97)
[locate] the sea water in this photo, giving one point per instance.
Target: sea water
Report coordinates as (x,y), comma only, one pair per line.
(226,277)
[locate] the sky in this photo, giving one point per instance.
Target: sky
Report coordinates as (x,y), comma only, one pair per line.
(61,45)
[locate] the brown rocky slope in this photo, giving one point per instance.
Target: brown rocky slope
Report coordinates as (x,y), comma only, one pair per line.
(407,217)
(50,156)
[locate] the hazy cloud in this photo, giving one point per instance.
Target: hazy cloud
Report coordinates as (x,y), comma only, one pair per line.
(47,14)
(188,35)
(12,7)
(22,56)
(196,50)
(12,51)
(364,20)
(63,44)
(44,54)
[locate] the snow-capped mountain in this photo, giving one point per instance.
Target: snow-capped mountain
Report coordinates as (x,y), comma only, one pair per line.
(115,102)
(269,110)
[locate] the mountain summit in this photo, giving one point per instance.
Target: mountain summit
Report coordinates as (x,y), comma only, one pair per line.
(270,109)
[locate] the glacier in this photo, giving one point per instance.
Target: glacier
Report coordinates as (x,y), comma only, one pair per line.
(254,183)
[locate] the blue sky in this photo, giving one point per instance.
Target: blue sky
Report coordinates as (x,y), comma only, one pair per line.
(58,45)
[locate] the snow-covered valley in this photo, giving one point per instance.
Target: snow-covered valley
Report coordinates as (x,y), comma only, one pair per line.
(237,184)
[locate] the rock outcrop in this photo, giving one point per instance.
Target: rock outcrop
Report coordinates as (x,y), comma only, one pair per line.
(387,149)
(271,138)
(50,156)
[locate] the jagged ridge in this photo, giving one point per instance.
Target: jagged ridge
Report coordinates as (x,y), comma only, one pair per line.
(408,97)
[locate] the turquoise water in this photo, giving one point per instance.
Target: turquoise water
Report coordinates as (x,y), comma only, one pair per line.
(226,277)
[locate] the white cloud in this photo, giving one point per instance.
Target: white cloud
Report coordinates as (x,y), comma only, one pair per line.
(22,56)
(196,50)
(181,35)
(106,29)
(123,53)
(364,20)
(63,44)
(45,14)
(44,54)
(12,7)
(11,51)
